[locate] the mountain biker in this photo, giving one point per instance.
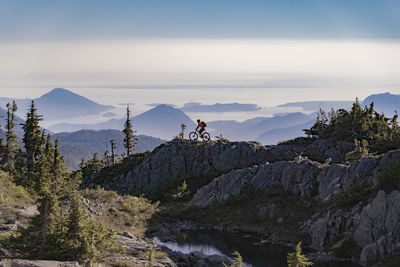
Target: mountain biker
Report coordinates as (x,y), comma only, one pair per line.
(202,126)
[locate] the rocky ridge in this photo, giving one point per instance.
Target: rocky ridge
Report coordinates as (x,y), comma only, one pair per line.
(183,158)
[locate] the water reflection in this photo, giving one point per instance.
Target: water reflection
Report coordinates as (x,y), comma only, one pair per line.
(255,251)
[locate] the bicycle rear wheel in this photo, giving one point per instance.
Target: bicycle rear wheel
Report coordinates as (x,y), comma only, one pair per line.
(193,136)
(206,137)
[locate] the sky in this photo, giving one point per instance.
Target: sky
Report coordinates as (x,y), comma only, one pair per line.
(170,51)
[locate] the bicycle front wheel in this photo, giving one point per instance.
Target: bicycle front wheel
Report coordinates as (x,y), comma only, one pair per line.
(206,137)
(193,136)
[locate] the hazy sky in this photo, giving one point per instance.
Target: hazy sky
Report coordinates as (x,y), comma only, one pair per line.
(262,52)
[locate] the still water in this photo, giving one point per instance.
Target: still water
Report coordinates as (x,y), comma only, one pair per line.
(256,252)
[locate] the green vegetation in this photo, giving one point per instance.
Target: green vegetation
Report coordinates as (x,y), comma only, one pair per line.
(130,139)
(360,151)
(220,138)
(298,141)
(297,259)
(151,255)
(352,196)
(101,171)
(237,260)
(343,247)
(389,178)
(122,213)
(10,150)
(54,232)
(390,261)
(243,212)
(179,188)
(381,133)
(13,199)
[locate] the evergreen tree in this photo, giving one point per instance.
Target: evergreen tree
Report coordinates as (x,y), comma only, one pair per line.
(57,166)
(130,139)
(86,240)
(297,259)
(112,143)
(11,147)
(32,140)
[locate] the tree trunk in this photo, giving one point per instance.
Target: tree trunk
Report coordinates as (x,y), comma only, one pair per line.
(45,226)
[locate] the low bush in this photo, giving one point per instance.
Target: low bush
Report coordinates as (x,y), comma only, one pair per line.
(389,178)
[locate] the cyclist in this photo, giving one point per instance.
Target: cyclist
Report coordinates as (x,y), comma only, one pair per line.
(202,126)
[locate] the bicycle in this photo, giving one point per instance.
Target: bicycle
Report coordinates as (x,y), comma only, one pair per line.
(195,135)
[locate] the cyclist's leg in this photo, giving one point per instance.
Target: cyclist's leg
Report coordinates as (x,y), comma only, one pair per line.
(201,131)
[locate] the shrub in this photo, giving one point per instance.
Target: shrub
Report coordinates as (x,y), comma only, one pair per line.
(349,198)
(389,177)
(297,259)
(360,151)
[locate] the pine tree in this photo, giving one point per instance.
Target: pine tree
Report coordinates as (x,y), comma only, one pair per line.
(297,259)
(11,147)
(32,140)
(112,143)
(86,240)
(130,139)
(57,168)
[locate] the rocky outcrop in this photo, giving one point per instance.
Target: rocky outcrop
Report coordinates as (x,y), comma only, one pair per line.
(378,232)
(297,177)
(186,158)
(183,158)
(375,228)
(304,178)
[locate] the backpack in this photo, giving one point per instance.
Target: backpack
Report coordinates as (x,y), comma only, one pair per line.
(204,124)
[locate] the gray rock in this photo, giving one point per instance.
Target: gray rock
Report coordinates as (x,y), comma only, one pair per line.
(269,211)
(297,177)
(379,230)
(129,235)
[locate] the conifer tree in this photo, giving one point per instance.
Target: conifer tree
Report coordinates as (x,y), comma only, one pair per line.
(297,259)
(11,146)
(130,139)
(32,139)
(57,168)
(86,240)
(112,143)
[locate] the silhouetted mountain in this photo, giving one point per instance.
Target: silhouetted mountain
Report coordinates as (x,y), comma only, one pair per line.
(84,143)
(286,133)
(218,107)
(387,103)
(317,105)
(163,121)
(59,103)
(252,128)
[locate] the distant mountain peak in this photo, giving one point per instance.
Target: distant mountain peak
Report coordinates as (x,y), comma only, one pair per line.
(61,92)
